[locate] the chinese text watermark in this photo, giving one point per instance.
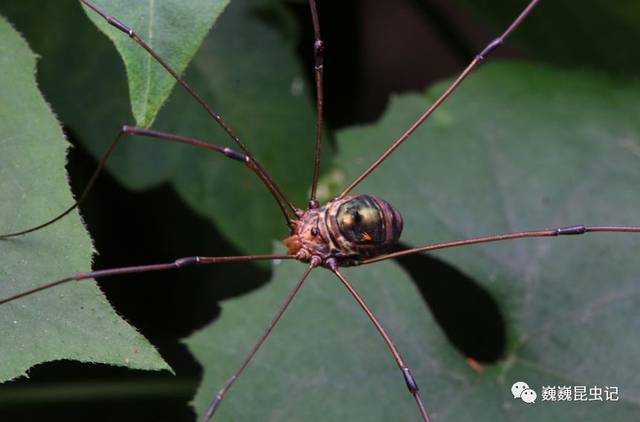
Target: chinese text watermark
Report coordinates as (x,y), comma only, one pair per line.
(558,393)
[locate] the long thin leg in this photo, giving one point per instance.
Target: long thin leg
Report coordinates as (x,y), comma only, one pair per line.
(318,54)
(406,373)
(132,34)
(562,231)
(463,75)
(178,263)
(126,130)
(315,261)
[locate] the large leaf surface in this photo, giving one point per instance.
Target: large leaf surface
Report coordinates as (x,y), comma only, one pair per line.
(70,322)
(520,147)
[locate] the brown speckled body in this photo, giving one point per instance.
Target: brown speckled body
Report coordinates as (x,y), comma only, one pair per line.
(345,230)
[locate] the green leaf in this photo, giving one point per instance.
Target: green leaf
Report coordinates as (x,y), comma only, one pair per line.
(520,147)
(73,321)
(234,73)
(173,29)
(324,360)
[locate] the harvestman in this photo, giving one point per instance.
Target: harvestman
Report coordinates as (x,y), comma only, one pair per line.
(349,230)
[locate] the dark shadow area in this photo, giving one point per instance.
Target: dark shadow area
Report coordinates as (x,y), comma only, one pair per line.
(340,27)
(76,391)
(155,226)
(374,49)
(467,313)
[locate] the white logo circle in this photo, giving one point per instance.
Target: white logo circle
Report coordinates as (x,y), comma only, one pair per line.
(517,388)
(528,396)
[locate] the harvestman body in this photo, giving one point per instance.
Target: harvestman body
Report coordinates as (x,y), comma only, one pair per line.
(349,230)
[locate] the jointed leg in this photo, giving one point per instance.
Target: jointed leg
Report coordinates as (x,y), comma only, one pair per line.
(126,130)
(215,116)
(227,385)
(406,373)
(318,54)
(562,231)
(178,263)
(463,75)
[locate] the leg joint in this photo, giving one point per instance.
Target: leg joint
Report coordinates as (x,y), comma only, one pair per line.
(318,51)
(412,385)
(236,155)
(185,262)
(213,407)
(490,48)
(571,230)
(120,25)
